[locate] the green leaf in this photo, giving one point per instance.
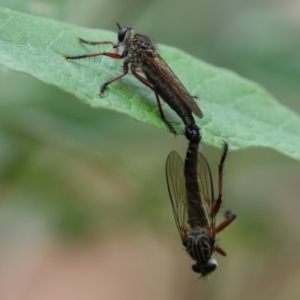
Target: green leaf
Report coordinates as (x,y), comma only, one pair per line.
(235,109)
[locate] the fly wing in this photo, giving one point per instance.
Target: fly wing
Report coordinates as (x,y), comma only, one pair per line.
(177,192)
(156,62)
(206,190)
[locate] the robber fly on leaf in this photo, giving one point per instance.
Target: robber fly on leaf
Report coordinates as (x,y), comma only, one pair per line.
(191,191)
(140,54)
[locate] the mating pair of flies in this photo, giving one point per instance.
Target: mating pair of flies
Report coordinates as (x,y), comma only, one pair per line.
(190,183)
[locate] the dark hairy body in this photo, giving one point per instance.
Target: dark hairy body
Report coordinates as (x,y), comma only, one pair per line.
(191,193)
(139,52)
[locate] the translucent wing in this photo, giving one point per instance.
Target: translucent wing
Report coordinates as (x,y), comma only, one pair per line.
(177,192)
(206,190)
(174,83)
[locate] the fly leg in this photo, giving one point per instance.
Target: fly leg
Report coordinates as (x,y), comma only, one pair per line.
(218,202)
(162,114)
(104,85)
(220,250)
(109,54)
(229,217)
(80,40)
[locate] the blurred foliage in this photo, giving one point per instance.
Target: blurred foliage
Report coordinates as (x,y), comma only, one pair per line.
(69,171)
(236,109)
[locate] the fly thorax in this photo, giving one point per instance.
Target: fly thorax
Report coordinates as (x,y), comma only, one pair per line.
(144,43)
(134,56)
(199,245)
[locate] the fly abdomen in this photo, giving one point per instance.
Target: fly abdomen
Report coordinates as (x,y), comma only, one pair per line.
(195,209)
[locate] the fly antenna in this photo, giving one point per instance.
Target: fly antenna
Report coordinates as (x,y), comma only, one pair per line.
(118,25)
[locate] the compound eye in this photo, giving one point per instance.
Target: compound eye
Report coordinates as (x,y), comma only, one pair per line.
(122,33)
(196,268)
(209,267)
(204,269)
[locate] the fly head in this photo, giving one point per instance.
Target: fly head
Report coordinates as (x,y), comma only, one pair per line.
(124,34)
(205,268)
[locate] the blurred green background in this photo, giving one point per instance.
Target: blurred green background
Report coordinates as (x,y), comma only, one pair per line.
(84,207)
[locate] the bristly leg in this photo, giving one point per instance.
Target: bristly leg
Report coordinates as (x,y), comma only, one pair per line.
(80,40)
(225,223)
(219,200)
(161,111)
(109,54)
(104,86)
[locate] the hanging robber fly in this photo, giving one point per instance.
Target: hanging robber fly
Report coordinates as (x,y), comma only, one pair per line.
(191,191)
(139,52)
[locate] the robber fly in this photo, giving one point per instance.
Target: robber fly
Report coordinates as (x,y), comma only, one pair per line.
(139,51)
(191,191)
